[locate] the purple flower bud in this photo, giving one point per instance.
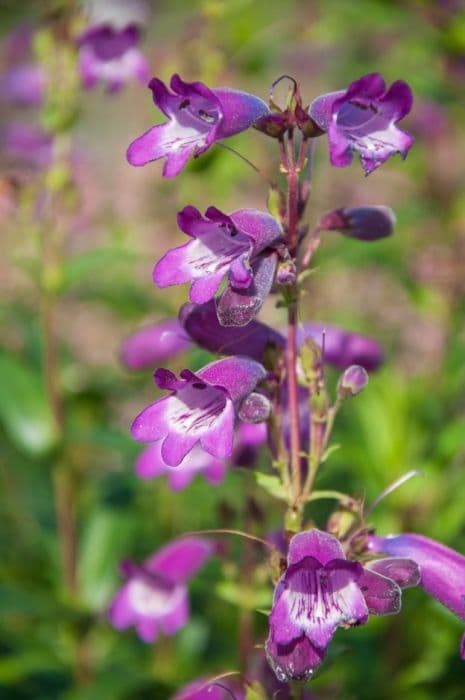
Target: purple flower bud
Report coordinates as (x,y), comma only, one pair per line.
(111,56)
(442,570)
(255,408)
(154,595)
(223,244)
(353,381)
(364,223)
(201,408)
(286,273)
(149,346)
(363,118)
(197,118)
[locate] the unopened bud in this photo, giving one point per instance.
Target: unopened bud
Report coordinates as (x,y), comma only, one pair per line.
(310,360)
(286,273)
(342,520)
(365,223)
(353,381)
(256,408)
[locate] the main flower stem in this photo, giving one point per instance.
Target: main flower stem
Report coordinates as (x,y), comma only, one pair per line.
(292,174)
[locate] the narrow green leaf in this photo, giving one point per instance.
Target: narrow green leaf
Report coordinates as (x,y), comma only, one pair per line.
(271,484)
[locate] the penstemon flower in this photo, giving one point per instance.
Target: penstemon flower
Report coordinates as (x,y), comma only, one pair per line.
(201,408)
(363,118)
(110,55)
(154,595)
(198,116)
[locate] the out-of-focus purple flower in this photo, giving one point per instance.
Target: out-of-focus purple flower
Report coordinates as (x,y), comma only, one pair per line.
(429,120)
(201,324)
(111,56)
(198,116)
(28,144)
(365,223)
(363,118)
(206,689)
(201,408)
(249,438)
(150,465)
(23,85)
(343,348)
(320,591)
(353,381)
(154,595)
(149,346)
(221,244)
(442,569)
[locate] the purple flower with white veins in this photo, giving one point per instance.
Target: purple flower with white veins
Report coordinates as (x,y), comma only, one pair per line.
(154,595)
(111,55)
(363,118)
(233,244)
(320,591)
(202,408)
(198,116)
(442,569)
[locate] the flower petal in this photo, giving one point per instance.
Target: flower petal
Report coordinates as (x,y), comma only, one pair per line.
(317,544)
(176,618)
(148,346)
(152,424)
(181,559)
(404,572)
(147,629)
(382,595)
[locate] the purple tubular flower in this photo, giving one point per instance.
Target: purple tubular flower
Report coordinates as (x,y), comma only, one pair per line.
(154,595)
(201,408)
(364,223)
(23,85)
(201,323)
(442,569)
(111,55)
(222,245)
(320,591)
(363,118)
(28,144)
(148,346)
(150,465)
(197,117)
(343,348)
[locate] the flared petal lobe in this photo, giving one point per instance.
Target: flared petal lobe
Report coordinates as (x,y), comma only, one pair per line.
(197,117)
(363,119)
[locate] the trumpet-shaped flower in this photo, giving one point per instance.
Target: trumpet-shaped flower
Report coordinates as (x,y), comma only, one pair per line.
(197,117)
(363,118)
(154,595)
(442,569)
(220,245)
(110,55)
(320,591)
(201,408)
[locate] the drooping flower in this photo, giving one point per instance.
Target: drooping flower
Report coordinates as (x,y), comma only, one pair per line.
(198,116)
(233,244)
(342,348)
(320,591)
(201,408)
(150,465)
(151,345)
(442,569)
(363,118)
(154,595)
(110,55)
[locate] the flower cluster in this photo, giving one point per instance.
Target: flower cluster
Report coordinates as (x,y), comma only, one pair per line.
(269,387)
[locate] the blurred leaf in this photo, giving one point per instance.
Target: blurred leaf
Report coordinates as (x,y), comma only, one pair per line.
(93,262)
(271,484)
(24,409)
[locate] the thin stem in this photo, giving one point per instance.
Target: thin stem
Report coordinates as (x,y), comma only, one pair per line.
(291,353)
(312,245)
(227,531)
(246,160)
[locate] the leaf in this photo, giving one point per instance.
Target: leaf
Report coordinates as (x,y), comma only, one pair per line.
(272,485)
(255,692)
(24,409)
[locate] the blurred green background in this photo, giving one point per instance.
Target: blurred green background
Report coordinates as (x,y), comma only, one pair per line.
(407,291)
